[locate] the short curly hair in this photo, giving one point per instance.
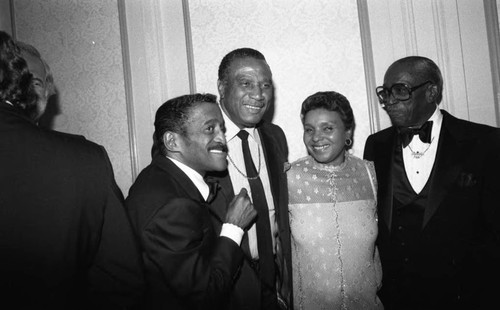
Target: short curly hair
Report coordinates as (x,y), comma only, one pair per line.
(173,116)
(330,101)
(239,53)
(15,78)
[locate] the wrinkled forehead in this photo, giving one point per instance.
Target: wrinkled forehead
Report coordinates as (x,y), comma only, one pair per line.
(402,73)
(250,65)
(202,111)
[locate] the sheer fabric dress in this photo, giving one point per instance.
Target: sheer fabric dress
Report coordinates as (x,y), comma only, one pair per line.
(333,221)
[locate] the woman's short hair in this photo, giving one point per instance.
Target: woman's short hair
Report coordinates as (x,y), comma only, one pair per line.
(330,101)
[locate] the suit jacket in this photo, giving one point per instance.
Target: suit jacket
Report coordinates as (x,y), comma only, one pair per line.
(65,239)
(246,294)
(459,243)
(188,265)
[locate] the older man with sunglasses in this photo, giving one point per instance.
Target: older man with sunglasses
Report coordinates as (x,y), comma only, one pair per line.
(439,216)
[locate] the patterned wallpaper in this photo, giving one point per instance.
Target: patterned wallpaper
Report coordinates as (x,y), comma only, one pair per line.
(81,42)
(310,46)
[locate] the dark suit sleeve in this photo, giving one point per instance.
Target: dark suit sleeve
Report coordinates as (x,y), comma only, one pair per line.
(368,152)
(282,145)
(277,155)
(115,276)
(487,271)
(196,264)
(492,183)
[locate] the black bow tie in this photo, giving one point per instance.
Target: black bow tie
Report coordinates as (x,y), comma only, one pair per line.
(424,133)
(213,185)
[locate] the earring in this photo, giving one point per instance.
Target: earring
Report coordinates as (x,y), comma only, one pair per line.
(348,142)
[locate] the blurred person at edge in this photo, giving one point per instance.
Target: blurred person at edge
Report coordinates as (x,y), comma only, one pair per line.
(65,237)
(43,81)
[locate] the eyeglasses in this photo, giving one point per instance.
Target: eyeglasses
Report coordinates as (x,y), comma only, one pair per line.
(400,92)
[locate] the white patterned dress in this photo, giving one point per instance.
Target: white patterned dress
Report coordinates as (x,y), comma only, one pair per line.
(333,220)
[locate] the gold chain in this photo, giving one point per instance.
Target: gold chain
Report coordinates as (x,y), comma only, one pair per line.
(418,154)
(241,172)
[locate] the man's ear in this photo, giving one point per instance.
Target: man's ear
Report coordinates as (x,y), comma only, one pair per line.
(170,141)
(432,93)
(221,86)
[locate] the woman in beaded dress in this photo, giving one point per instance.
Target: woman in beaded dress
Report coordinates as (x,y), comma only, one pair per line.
(333,213)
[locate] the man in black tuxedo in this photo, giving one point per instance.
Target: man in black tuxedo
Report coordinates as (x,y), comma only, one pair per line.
(65,239)
(188,264)
(438,177)
(257,153)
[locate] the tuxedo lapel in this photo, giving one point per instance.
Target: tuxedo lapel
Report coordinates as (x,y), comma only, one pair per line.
(447,166)
(275,152)
(385,162)
(185,182)
(272,161)
(217,208)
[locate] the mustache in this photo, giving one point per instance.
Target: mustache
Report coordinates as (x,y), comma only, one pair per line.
(218,146)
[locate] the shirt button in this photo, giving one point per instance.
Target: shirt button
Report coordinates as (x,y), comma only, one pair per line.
(400,228)
(403,244)
(406,259)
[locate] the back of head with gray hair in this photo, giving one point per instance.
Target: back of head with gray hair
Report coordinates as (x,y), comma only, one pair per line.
(49,78)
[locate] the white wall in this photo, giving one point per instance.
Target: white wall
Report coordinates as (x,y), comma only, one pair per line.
(155,46)
(454,34)
(310,46)
(80,40)
(5,18)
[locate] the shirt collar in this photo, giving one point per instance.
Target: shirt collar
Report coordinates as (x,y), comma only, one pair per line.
(194,176)
(437,120)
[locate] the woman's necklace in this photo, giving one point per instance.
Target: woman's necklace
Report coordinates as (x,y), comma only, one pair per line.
(332,192)
(417,154)
(241,172)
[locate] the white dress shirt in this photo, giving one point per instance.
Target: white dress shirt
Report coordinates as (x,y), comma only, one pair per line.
(418,168)
(230,231)
(237,172)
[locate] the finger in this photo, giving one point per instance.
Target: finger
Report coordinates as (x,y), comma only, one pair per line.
(243,192)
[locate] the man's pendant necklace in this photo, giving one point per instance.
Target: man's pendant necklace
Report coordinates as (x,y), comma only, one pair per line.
(241,172)
(418,154)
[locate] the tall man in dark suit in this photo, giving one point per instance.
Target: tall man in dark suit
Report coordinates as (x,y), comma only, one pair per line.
(188,264)
(65,239)
(439,216)
(257,153)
